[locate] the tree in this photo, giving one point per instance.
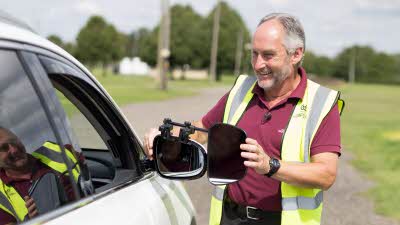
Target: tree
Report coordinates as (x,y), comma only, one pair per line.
(99,42)
(191,39)
(56,40)
(187,43)
(187,37)
(230,25)
(131,45)
(318,65)
(146,45)
(69,47)
(370,66)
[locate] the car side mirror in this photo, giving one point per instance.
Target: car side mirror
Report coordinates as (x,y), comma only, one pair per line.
(183,158)
(176,159)
(225,163)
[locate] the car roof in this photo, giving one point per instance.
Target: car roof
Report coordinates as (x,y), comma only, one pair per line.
(15,30)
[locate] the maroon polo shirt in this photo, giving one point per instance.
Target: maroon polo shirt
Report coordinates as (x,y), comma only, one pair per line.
(258,190)
(22,186)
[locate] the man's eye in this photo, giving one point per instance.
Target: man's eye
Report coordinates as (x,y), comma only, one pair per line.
(267,55)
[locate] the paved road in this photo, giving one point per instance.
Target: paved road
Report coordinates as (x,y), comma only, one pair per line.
(343,203)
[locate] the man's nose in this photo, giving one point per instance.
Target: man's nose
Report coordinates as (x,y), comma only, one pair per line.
(12,149)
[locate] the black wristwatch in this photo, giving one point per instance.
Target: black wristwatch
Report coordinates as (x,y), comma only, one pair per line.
(274,166)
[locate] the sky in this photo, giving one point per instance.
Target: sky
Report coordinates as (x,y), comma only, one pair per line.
(330,26)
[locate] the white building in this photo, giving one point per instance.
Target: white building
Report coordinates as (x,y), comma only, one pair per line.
(133,66)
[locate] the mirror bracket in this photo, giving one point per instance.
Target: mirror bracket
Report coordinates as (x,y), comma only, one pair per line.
(147,165)
(166,128)
(186,130)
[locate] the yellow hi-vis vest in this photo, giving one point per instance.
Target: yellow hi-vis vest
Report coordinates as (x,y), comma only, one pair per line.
(300,206)
(50,155)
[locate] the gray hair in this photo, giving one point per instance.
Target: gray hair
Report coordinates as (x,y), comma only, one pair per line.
(295,37)
(7,132)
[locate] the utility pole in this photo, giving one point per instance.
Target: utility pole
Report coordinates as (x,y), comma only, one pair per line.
(239,51)
(214,46)
(352,66)
(163,44)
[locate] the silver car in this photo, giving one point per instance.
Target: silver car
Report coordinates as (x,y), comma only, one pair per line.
(47,96)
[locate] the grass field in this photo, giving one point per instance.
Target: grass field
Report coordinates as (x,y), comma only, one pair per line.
(131,89)
(371,131)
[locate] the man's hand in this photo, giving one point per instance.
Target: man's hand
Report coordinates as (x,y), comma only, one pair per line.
(31,206)
(148,142)
(255,155)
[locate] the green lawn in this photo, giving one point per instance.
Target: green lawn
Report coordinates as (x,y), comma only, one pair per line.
(132,89)
(371,131)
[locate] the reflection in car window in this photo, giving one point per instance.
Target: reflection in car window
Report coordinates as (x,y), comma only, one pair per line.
(85,133)
(101,163)
(32,170)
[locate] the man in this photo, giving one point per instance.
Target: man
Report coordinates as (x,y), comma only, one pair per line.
(293,130)
(19,171)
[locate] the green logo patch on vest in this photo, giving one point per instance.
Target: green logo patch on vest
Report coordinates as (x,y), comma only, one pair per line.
(302,113)
(10,192)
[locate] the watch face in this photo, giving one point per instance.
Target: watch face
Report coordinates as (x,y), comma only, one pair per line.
(272,162)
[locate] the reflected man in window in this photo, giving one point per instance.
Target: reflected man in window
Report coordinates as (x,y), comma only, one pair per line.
(24,176)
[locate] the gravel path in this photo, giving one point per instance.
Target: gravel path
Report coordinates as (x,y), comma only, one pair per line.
(344,204)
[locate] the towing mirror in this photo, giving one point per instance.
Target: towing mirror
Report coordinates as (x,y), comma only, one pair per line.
(225,164)
(176,159)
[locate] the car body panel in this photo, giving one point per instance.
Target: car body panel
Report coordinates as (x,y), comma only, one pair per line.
(136,204)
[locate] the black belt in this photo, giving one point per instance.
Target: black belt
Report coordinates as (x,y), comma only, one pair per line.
(251,213)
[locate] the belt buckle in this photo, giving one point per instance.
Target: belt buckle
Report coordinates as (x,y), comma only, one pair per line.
(248,214)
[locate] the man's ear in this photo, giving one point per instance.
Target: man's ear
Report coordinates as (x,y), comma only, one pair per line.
(297,56)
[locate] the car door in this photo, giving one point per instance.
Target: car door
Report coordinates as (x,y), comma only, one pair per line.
(80,113)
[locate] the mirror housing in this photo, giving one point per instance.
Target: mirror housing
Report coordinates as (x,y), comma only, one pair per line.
(224,161)
(176,159)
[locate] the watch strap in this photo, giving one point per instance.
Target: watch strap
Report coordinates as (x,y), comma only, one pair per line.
(274,166)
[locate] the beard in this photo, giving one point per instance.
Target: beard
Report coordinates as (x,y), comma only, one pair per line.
(267,79)
(17,160)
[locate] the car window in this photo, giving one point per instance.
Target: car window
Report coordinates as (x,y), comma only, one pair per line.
(31,161)
(82,129)
(109,149)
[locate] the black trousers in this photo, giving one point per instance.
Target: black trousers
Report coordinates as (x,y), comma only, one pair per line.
(235,214)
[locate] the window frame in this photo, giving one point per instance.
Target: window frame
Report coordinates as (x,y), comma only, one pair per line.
(27,52)
(132,156)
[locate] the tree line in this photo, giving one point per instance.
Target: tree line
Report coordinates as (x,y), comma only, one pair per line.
(100,43)
(368,65)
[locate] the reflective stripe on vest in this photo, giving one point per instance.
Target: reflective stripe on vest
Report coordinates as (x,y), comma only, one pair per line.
(236,104)
(304,205)
(300,205)
(216,205)
(12,203)
(50,155)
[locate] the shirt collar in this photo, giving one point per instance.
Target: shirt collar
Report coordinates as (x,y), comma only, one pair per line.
(298,93)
